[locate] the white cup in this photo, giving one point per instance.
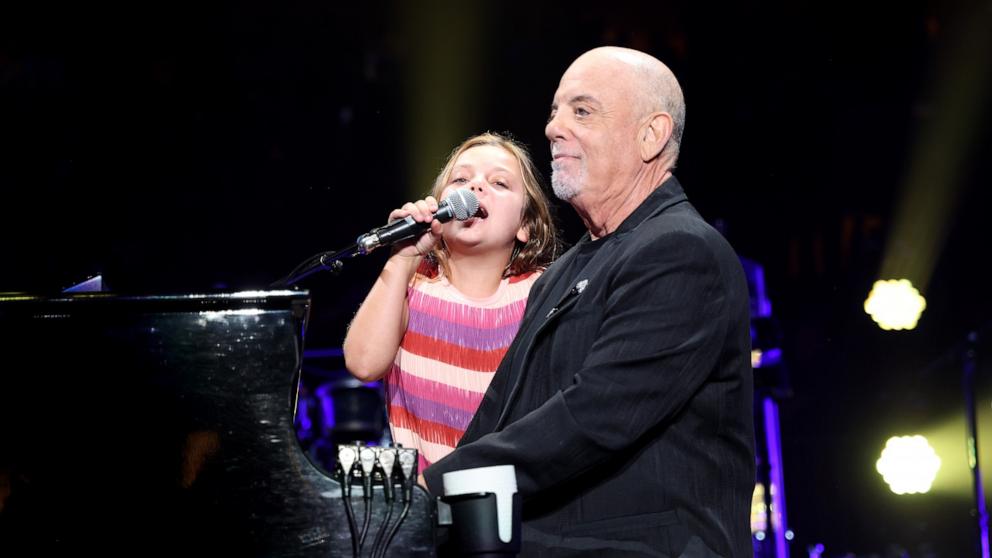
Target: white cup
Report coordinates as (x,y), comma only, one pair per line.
(500,480)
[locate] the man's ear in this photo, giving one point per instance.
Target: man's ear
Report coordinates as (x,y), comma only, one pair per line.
(654,135)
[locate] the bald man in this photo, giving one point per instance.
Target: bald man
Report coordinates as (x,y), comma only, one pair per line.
(625,400)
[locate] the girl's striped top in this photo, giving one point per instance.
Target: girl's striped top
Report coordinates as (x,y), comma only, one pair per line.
(452,346)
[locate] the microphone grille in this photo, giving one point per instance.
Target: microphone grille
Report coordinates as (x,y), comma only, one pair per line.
(463,203)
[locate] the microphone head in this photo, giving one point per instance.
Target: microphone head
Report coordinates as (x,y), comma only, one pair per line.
(463,203)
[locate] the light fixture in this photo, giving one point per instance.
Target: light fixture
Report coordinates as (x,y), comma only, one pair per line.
(908,464)
(895,304)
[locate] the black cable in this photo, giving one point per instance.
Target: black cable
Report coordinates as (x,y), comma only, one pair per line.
(351,526)
(396,527)
(408,467)
(365,524)
(346,458)
(387,462)
(367,458)
(383,528)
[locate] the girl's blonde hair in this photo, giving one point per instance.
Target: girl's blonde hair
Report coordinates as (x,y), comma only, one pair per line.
(542,245)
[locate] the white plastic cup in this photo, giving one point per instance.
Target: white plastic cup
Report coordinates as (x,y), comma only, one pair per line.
(500,480)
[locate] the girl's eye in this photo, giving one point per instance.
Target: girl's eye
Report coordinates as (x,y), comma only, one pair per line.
(459,180)
(501,184)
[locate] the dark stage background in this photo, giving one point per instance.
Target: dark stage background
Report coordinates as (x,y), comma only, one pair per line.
(194,146)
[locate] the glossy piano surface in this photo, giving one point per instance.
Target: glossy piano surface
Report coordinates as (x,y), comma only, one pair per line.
(163,426)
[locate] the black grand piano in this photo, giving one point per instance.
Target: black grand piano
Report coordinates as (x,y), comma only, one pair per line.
(163,426)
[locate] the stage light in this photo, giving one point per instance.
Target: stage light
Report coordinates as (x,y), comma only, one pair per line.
(764,359)
(895,304)
(908,464)
(759,511)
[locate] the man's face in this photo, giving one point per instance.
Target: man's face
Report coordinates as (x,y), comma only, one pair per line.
(592,129)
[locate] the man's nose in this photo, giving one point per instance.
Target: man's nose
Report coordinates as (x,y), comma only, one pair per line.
(554,130)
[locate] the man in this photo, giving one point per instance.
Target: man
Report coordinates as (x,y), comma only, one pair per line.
(625,400)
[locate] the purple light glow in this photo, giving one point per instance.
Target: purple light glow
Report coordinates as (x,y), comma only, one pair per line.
(769,357)
(777,514)
(327,406)
(761,307)
(303,414)
(332,352)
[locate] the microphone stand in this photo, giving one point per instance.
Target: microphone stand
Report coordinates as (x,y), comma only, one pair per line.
(461,204)
(324,261)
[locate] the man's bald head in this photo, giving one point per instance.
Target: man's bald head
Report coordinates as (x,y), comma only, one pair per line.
(648,82)
(615,125)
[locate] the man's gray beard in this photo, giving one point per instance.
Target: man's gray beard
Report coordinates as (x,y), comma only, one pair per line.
(564,187)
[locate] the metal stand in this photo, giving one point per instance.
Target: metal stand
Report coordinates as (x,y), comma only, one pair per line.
(324,261)
(776,476)
(771,540)
(981,513)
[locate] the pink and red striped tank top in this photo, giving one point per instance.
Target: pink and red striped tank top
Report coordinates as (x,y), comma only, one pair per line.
(452,346)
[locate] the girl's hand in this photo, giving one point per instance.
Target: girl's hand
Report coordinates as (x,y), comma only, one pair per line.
(422,211)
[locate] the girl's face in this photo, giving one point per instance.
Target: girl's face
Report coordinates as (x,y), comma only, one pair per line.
(493,175)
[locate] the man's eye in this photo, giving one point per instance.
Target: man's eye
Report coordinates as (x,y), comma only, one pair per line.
(552,115)
(579,111)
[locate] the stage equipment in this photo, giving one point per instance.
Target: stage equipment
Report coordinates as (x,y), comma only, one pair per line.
(895,304)
(908,464)
(769,524)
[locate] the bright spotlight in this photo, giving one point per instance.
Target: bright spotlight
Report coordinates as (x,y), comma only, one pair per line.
(908,464)
(895,304)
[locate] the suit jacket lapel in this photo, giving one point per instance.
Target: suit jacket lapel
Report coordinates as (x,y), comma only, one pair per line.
(537,323)
(547,282)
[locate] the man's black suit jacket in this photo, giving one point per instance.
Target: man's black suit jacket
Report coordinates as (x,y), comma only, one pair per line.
(626,403)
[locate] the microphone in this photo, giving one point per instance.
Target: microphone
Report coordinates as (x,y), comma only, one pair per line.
(460,204)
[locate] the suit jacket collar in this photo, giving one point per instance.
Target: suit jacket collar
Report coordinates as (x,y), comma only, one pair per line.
(667,194)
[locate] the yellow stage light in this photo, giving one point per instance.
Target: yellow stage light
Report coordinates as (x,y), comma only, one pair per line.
(908,464)
(895,304)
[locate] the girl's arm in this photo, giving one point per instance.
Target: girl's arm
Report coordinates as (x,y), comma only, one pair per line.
(374,335)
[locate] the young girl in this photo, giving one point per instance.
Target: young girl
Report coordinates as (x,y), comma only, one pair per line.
(446,306)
